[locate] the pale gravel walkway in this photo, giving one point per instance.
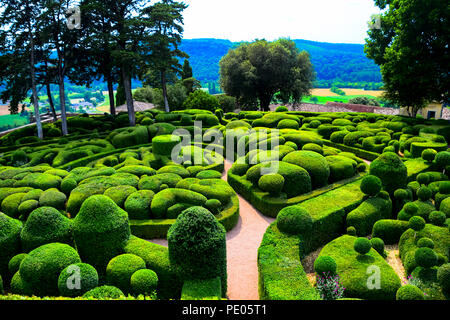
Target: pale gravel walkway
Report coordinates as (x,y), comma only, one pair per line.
(242,249)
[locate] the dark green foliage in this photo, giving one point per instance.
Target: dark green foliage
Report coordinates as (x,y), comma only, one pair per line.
(200,99)
(14,263)
(370,211)
(138,204)
(425,257)
(144,281)
(416,223)
(101,230)
(53,198)
(119,194)
(442,159)
(127,137)
(371,185)
(19,158)
(340,168)
(104,292)
(155,182)
(19,286)
(443,276)
(296,179)
(197,246)
(46,225)
(9,241)
(425,243)
(378,245)
(272,183)
(316,165)
(389,230)
(163,145)
(351,231)
(325,265)
(423,178)
(362,245)
(429,155)
(88,280)
(67,185)
(437,218)
(120,269)
(213,205)
(164,200)
(409,292)
(42,267)
(294,220)
(424,193)
(391,171)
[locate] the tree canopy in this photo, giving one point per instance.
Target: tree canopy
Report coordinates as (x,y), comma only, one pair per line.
(412,49)
(258,70)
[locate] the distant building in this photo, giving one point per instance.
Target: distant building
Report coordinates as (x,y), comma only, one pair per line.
(434,110)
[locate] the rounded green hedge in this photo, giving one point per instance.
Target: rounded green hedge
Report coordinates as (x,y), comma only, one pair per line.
(442,159)
(137,205)
(101,230)
(409,292)
(437,218)
(423,178)
(209,174)
(389,230)
(378,245)
(18,286)
(362,245)
(46,225)
(119,194)
(77,279)
(213,205)
(14,263)
(416,223)
(197,246)
(325,265)
(391,170)
(26,207)
(425,257)
(104,292)
(313,147)
(443,277)
(294,220)
(9,241)
(425,243)
(424,193)
(67,185)
(316,165)
(163,145)
(370,185)
(272,183)
(288,124)
(120,269)
(144,282)
(351,231)
(42,266)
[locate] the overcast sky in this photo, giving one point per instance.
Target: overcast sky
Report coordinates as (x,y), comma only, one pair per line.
(338,21)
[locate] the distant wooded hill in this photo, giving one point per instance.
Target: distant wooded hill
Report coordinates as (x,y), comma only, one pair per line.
(332,62)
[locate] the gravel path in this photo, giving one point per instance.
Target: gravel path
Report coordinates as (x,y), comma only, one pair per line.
(242,250)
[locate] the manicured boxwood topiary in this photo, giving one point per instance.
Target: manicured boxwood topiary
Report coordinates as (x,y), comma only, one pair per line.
(442,159)
(294,220)
(53,198)
(209,174)
(281,109)
(213,205)
(46,225)
(138,204)
(443,277)
(9,241)
(313,147)
(154,182)
(296,179)
(340,168)
(371,185)
(424,193)
(391,171)
(409,210)
(101,230)
(437,218)
(197,246)
(120,194)
(362,245)
(26,207)
(14,263)
(163,145)
(19,286)
(175,169)
(367,213)
(86,279)
(351,231)
(165,199)
(425,257)
(11,203)
(425,243)
(145,282)
(325,265)
(272,183)
(104,293)
(409,292)
(120,269)
(416,223)
(316,165)
(378,245)
(43,265)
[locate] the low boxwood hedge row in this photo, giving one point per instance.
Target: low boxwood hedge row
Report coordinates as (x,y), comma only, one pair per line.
(199,289)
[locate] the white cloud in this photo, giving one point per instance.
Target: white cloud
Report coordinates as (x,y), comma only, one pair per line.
(339,21)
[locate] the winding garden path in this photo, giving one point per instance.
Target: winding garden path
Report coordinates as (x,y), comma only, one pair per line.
(242,249)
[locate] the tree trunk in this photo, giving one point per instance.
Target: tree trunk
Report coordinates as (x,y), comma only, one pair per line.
(50,102)
(112,107)
(62,102)
(164,89)
(33,87)
(129,97)
(264,100)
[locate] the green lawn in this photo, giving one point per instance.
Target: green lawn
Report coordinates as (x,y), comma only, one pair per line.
(11,121)
(341,99)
